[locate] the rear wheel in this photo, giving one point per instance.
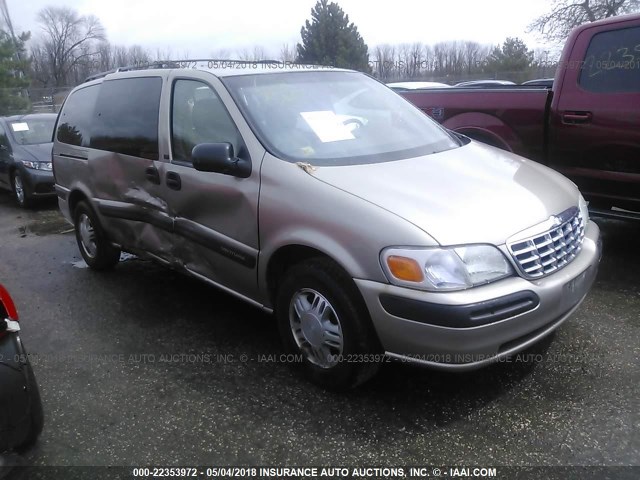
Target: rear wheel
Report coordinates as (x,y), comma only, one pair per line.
(94,245)
(20,190)
(322,318)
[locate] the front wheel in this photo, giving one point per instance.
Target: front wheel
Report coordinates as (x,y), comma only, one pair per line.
(94,245)
(20,190)
(322,318)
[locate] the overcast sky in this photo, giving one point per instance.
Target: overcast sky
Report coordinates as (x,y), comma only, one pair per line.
(201,28)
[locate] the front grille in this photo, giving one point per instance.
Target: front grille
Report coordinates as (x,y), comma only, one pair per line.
(549,251)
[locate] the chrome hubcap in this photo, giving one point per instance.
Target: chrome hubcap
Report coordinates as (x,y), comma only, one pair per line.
(19,189)
(87,236)
(316,327)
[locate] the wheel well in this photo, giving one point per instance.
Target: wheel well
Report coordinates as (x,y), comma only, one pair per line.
(283,259)
(290,255)
(486,137)
(74,198)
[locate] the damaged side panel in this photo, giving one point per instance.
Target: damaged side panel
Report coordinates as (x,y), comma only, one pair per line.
(215,225)
(141,182)
(123,165)
(215,215)
(134,213)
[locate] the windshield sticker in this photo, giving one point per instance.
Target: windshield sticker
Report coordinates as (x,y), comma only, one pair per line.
(20,127)
(327,126)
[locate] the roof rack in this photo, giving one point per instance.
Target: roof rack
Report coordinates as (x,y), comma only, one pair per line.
(184,63)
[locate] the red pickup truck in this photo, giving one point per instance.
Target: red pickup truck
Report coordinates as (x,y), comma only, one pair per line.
(587,125)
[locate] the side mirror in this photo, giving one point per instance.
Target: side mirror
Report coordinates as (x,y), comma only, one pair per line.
(219,158)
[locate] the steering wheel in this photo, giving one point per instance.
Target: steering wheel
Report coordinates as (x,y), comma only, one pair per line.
(355,122)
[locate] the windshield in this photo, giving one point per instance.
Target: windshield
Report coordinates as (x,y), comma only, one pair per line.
(30,131)
(335,118)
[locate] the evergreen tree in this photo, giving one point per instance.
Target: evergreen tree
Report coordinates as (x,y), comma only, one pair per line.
(513,59)
(13,81)
(329,39)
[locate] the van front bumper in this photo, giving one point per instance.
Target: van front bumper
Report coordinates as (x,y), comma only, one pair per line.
(469,329)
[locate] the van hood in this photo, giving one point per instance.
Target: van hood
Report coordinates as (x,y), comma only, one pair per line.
(471,194)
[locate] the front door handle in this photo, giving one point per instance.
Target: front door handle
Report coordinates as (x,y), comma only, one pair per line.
(173,181)
(575,118)
(152,175)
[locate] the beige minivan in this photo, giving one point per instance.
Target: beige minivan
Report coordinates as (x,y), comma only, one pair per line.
(321,195)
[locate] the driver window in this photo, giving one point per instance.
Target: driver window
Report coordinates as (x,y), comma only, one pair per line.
(199,116)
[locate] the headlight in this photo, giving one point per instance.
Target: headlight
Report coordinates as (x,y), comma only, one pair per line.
(37,165)
(584,209)
(445,269)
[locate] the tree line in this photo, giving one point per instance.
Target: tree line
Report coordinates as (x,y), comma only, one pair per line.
(454,61)
(72,47)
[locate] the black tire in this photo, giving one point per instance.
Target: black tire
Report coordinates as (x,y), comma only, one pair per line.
(94,245)
(360,355)
(20,189)
(36,413)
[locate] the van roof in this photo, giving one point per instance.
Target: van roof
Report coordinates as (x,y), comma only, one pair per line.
(221,68)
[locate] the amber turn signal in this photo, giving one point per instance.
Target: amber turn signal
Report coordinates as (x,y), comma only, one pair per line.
(404,268)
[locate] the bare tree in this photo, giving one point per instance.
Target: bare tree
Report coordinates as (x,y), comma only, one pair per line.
(384,64)
(104,60)
(138,55)
(439,58)
(568,14)
(221,53)
(119,56)
(416,60)
(287,53)
(114,56)
(40,68)
(443,61)
(163,55)
(427,63)
(403,57)
(257,53)
(471,53)
(67,40)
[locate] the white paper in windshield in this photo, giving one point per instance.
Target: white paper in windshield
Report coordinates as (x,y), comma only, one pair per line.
(327,126)
(20,127)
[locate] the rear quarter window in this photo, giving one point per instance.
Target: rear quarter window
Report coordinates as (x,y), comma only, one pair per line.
(612,62)
(126,117)
(75,118)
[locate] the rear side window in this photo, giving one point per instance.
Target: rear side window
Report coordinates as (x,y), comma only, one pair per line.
(126,117)
(75,118)
(612,62)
